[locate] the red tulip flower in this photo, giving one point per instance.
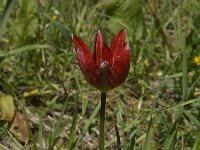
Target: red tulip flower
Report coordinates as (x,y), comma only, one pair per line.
(107,67)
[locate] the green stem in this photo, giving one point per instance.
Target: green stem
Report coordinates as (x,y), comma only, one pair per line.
(102,121)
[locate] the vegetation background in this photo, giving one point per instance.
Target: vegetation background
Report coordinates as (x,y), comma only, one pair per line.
(55,108)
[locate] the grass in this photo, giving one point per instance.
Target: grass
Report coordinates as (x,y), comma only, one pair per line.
(156,108)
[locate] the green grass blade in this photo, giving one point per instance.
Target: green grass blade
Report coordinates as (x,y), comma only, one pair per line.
(58,127)
(5,15)
(192,118)
(72,131)
(65,31)
(23,49)
(197,143)
(174,106)
(132,146)
(84,100)
(41,137)
(89,121)
(80,20)
(171,138)
(118,138)
(192,87)
(147,142)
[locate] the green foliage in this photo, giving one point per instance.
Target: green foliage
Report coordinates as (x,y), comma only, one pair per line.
(156,108)
(26,23)
(170,141)
(3,129)
(5,15)
(147,143)
(197,143)
(125,14)
(72,132)
(22,49)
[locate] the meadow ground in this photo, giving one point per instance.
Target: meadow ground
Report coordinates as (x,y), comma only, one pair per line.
(156,108)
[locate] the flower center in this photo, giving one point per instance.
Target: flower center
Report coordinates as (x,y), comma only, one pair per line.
(103,73)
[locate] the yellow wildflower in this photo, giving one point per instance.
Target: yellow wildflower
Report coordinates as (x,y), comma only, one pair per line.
(197,60)
(54,17)
(31,93)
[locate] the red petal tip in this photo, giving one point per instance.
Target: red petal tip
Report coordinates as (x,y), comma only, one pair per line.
(72,36)
(123,30)
(98,31)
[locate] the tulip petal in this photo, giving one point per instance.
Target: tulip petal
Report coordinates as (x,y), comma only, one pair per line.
(101,50)
(120,68)
(80,45)
(85,60)
(118,43)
